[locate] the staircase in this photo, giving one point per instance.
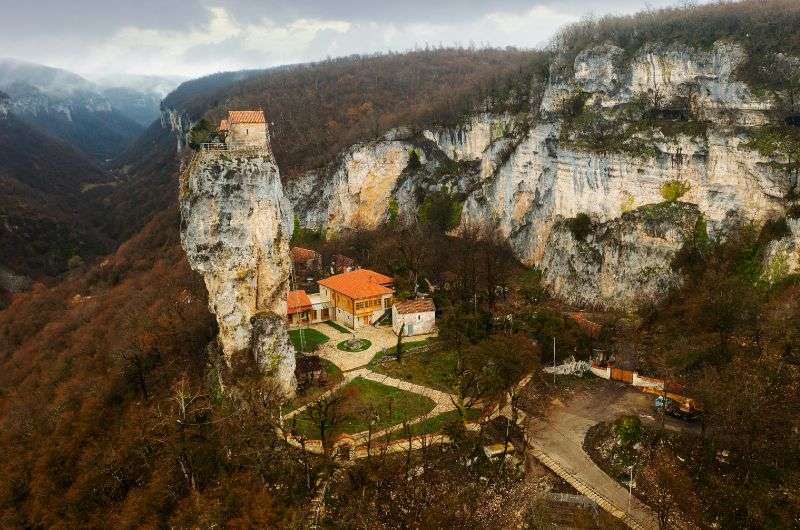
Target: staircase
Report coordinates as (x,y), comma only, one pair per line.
(386,317)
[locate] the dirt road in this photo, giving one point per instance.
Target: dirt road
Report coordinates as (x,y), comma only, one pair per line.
(557,441)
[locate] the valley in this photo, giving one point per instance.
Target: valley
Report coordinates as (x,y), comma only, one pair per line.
(446,288)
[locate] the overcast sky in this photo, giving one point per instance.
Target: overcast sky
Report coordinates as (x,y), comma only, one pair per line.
(195,37)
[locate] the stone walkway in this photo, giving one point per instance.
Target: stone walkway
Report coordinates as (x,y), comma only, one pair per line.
(442,400)
(353,365)
(381,338)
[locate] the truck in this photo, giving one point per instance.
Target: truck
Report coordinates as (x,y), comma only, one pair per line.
(682,408)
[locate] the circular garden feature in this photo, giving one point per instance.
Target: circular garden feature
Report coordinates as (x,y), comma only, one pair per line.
(354,345)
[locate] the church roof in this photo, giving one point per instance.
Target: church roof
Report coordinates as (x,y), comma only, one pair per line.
(223,125)
(358,284)
(246,116)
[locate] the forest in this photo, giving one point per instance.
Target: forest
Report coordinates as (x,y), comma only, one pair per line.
(353,99)
(109,416)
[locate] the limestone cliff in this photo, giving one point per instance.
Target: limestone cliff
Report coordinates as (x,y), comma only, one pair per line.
(235,229)
(355,191)
(611,133)
(638,247)
(179,123)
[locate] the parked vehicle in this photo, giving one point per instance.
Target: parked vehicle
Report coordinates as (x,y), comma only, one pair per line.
(684,411)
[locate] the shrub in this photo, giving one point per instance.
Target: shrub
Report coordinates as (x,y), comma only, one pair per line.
(200,133)
(74,262)
(413,160)
(773,230)
(673,190)
(580,226)
(629,429)
(441,211)
(628,202)
(393,211)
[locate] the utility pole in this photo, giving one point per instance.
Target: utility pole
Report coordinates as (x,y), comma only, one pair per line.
(630,486)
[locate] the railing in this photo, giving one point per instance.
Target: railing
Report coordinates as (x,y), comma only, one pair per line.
(232,146)
(214,146)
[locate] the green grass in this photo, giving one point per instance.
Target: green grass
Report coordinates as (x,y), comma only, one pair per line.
(432,425)
(345,347)
(338,327)
(333,376)
(391,352)
(310,341)
(392,404)
(433,369)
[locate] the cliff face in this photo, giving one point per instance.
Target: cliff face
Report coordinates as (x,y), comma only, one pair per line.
(356,190)
(609,136)
(235,229)
(622,260)
(179,123)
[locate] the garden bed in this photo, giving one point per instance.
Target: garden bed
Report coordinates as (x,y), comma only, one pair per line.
(354,345)
(433,425)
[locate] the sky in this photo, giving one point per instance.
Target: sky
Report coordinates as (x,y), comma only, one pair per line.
(190,38)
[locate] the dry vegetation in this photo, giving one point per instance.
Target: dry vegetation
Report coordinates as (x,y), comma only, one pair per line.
(357,98)
(108,418)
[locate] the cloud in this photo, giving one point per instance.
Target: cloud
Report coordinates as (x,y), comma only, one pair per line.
(223,42)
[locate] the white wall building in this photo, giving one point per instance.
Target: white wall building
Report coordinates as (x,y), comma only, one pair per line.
(245,129)
(416,317)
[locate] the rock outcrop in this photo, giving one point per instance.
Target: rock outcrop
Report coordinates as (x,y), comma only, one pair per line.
(622,260)
(677,115)
(782,257)
(355,191)
(235,228)
(180,124)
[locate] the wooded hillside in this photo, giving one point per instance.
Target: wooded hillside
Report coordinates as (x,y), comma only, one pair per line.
(318,109)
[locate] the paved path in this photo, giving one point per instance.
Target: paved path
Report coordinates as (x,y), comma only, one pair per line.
(442,400)
(381,338)
(557,441)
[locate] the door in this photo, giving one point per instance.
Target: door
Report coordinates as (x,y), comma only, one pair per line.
(622,375)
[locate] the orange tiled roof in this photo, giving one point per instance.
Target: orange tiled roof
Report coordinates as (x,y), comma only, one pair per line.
(246,116)
(341,262)
(421,305)
(358,284)
(303,254)
(297,301)
(223,125)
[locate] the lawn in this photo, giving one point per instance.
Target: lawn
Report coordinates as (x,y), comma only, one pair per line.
(433,425)
(434,369)
(391,352)
(310,339)
(333,375)
(338,327)
(392,404)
